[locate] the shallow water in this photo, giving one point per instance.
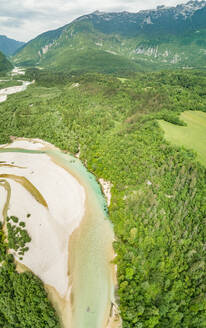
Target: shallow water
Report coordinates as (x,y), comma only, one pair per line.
(91,253)
(91,273)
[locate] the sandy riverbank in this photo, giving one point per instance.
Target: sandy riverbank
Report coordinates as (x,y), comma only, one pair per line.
(106,188)
(17,71)
(50,227)
(83,293)
(23,143)
(3,98)
(15,89)
(4,93)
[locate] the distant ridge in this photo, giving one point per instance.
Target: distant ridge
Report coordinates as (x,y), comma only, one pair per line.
(9,46)
(165,37)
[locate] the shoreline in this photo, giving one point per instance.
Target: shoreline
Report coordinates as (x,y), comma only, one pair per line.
(55,222)
(5,92)
(112,319)
(106,190)
(65,305)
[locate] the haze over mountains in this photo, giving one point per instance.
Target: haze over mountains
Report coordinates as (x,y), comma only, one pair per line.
(108,42)
(9,46)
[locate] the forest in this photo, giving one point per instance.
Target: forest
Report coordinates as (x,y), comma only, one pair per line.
(158,205)
(23,299)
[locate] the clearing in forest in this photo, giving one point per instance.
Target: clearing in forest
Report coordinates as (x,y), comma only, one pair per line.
(192,136)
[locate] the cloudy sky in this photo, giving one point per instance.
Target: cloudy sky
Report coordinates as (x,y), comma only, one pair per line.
(25,19)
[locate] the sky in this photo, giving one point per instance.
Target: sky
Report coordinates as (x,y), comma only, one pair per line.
(25,19)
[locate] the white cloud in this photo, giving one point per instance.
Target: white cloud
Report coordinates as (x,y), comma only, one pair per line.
(25,19)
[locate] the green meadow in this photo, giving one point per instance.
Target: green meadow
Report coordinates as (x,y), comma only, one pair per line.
(191,136)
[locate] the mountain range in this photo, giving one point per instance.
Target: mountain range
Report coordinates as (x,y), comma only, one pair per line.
(9,46)
(165,37)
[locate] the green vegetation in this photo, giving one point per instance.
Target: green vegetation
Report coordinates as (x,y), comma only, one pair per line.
(3,248)
(122,42)
(23,300)
(18,237)
(10,83)
(5,65)
(91,60)
(159,191)
(192,136)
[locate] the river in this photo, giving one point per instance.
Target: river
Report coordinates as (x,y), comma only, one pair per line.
(14,89)
(91,273)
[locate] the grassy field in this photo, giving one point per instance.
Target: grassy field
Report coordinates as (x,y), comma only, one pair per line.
(9,83)
(192,136)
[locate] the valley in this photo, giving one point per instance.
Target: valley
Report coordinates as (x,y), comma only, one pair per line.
(102,172)
(116,134)
(9,46)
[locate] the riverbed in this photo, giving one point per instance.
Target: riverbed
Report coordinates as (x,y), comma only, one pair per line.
(14,89)
(78,225)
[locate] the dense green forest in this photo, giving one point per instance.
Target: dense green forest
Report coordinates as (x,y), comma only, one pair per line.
(158,205)
(23,300)
(5,65)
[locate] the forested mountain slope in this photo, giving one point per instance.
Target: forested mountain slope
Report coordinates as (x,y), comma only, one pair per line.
(9,46)
(5,65)
(152,39)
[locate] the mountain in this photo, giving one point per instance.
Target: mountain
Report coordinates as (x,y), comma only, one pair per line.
(9,46)
(5,65)
(151,39)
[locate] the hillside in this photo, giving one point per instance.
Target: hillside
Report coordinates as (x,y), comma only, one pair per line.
(5,65)
(9,46)
(152,39)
